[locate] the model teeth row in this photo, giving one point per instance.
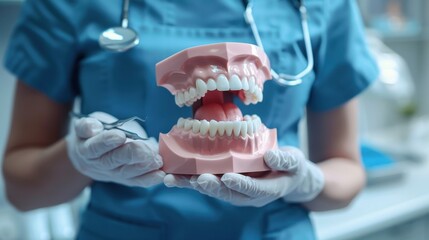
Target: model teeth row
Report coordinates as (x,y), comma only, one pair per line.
(252,92)
(247,127)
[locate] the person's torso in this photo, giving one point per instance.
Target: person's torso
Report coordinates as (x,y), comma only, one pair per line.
(123,84)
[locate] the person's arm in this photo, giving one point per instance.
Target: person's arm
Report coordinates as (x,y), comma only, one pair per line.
(333,144)
(36,168)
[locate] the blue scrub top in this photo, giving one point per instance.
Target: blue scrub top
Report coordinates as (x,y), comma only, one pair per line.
(55,50)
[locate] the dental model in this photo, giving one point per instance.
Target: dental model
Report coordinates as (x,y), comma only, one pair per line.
(219,139)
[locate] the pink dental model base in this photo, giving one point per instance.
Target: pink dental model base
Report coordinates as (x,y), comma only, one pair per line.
(197,155)
(219,139)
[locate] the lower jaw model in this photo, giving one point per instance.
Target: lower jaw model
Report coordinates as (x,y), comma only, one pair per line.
(219,139)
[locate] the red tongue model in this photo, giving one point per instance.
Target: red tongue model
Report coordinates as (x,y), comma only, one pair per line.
(218,106)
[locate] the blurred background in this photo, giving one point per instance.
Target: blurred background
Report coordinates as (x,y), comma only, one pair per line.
(394,118)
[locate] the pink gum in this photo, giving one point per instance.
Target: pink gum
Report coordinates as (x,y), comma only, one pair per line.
(188,153)
(179,72)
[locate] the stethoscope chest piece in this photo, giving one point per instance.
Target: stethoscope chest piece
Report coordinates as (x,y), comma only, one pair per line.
(118,39)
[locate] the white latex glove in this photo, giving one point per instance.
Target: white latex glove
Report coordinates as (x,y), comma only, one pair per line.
(294,178)
(107,155)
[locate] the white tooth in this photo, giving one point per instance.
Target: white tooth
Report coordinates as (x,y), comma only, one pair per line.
(181,123)
(189,103)
(211,84)
(192,93)
(259,121)
(247,117)
(254,117)
(222,83)
(260,96)
(245,84)
(213,128)
(243,129)
(249,127)
(237,128)
(256,124)
(190,96)
(235,83)
(176,99)
(186,96)
(204,127)
(196,125)
(181,98)
(221,128)
(201,87)
(246,100)
(252,68)
(250,98)
(188,124)
(252,84)
(255,95)
(228,128)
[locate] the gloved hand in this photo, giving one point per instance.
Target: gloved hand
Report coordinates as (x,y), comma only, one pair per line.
(294,178)
(107,155)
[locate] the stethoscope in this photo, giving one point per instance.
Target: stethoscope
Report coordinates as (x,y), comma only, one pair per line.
(122,38)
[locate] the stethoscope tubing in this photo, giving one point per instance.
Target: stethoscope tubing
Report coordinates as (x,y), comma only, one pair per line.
(281,79)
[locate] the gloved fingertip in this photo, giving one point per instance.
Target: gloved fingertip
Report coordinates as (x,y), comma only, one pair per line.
(227,178)
(231,180)
(203,184)
(94,125)
(194,181)
(87,127)
(169,180)
(204,179)
(274,160)
(115,138)
(206,176)
(269,155)
(154,181)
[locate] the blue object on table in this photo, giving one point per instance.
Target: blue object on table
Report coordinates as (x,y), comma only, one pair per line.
(374,159)
(379,167)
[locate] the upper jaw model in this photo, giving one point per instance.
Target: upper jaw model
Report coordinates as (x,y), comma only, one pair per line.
(218,139)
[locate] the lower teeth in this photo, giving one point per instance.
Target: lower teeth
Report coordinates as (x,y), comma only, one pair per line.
(248,127)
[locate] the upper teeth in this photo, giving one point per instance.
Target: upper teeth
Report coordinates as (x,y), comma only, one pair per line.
(252,92)
(249,126)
